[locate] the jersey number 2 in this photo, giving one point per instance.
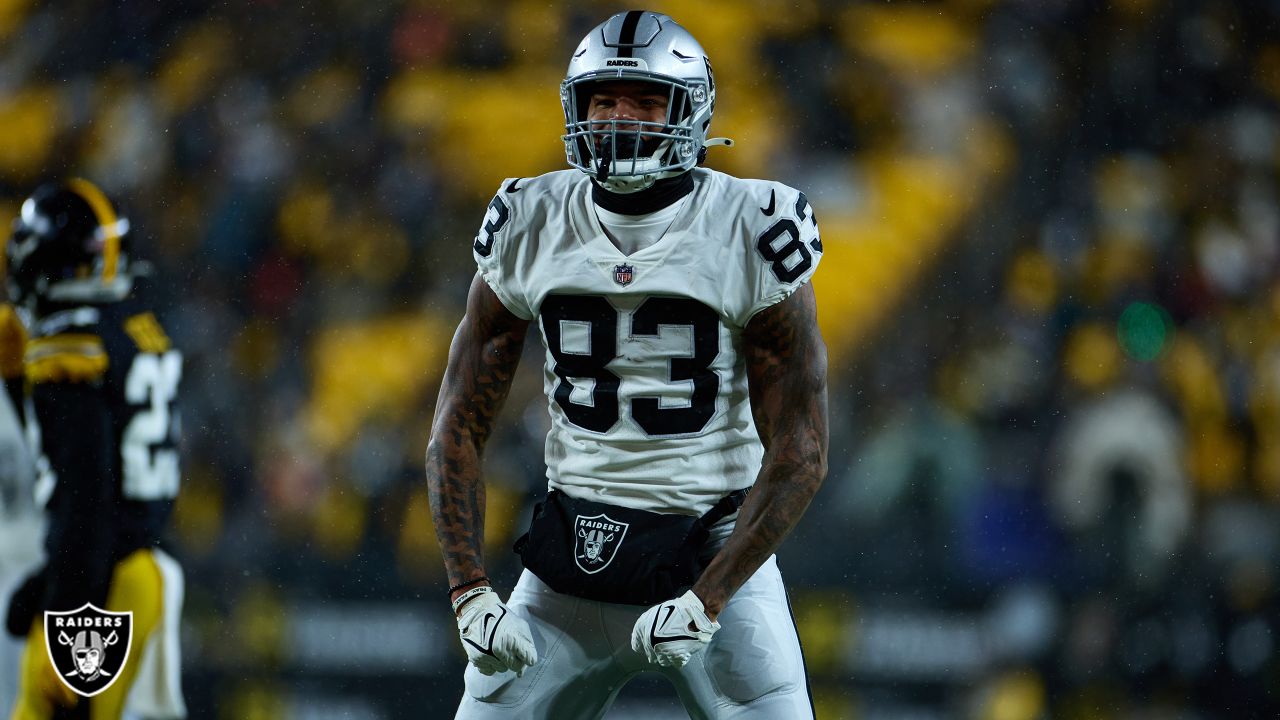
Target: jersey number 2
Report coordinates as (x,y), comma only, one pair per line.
(602,320)
(148,446)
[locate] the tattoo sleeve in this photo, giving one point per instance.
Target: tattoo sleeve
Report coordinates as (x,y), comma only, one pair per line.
(482,361)
(787,375)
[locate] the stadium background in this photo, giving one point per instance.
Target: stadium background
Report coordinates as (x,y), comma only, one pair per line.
(1049,292)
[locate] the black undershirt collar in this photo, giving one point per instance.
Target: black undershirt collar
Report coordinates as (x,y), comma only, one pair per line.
(652,199)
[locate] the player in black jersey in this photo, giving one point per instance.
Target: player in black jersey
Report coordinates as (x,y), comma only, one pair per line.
(98,384)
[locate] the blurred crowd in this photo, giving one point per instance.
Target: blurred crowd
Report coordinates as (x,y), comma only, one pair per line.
(1050,295)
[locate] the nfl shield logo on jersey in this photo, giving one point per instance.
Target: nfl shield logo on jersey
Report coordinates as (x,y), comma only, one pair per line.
(596,541)
(88,647)
(624,274)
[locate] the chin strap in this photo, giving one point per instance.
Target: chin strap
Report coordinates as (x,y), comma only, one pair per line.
(702,152)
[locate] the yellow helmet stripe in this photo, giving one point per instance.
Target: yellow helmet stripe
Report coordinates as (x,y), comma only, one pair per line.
(106,220)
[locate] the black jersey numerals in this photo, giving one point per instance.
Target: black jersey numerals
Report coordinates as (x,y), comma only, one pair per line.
(804,212)
(602,347)
(657,420)
(495,217)
(591,361)
(781,246)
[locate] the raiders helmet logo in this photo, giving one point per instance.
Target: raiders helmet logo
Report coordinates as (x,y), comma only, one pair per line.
(88,647)
(624,274)
(596,541)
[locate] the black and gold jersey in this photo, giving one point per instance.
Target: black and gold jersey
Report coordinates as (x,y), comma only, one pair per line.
(102,386)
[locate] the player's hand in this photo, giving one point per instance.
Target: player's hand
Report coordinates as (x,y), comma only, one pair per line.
(496,639)
(670,633)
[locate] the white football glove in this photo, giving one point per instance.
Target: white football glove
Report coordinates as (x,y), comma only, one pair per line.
(496,639)
(670,633)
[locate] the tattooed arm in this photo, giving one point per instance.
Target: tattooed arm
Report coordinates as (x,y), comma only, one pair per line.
(482,360)
(787,376)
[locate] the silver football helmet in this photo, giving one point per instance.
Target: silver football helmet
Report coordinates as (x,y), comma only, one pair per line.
(647,47)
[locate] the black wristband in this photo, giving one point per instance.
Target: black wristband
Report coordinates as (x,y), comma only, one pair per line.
(459,586)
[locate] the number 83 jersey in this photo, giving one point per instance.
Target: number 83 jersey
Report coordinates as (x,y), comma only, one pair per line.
(644,374)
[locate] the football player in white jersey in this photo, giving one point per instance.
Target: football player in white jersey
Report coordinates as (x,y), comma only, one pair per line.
(683,367)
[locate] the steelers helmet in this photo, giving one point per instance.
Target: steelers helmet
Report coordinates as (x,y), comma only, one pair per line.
(649,47)
(68,245)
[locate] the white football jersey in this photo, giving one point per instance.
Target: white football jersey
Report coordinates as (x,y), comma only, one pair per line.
(645,381)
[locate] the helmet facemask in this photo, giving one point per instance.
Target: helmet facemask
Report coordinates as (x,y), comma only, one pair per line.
(625,155)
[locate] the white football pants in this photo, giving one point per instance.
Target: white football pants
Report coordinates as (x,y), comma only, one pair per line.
(752,670)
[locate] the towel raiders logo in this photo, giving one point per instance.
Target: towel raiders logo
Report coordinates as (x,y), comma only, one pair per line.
(88,647)
(596,541)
